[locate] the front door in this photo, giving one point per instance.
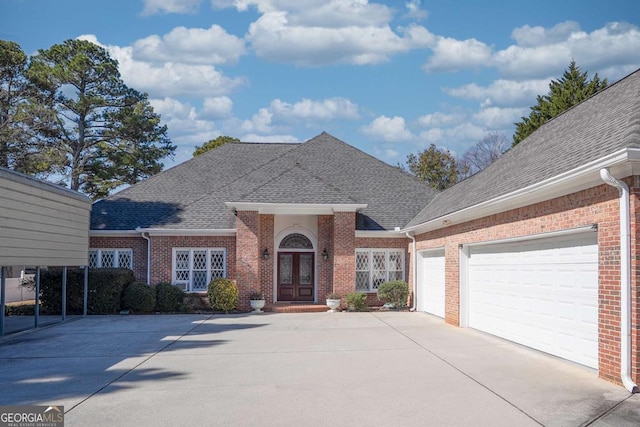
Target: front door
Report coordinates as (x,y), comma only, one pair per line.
(295,276)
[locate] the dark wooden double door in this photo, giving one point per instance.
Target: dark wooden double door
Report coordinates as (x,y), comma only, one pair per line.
(295,276)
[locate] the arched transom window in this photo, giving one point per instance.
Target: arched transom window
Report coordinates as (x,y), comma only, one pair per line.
(296,241)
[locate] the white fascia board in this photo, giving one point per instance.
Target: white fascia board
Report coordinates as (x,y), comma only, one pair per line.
(186,232)
(622,163)
(385,234)
(295,208)
(113,233)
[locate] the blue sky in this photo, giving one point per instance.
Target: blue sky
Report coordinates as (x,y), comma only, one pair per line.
(389,77)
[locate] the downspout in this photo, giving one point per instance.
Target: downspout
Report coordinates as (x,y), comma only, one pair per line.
(414,264)
(625,280)
(145,236)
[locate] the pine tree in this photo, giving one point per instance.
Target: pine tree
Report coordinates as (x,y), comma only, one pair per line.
(573,88)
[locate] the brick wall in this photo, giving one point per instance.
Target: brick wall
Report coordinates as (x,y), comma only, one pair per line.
(248,254)
(344,246)
(597,205)
(137,244)
(162,253)
(265,282)
(389,243)
(325,268)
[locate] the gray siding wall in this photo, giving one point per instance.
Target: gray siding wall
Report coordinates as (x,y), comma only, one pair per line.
(41,224)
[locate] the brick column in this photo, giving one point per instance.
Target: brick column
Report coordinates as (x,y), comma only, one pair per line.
(344,247)
(266,266)
(325,268)
(247,255)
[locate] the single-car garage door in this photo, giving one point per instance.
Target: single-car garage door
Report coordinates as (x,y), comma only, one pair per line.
(541,293)
(431,282)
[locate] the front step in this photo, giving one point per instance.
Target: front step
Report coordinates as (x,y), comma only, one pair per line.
(295,308)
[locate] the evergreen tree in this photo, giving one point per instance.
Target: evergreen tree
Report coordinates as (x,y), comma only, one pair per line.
(573,88)
(106,132)
(23,116)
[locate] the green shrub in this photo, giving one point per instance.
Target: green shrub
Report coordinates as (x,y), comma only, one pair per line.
(168,297)
(139,298)
(223,294)
(357,301)
(105,290)
(395,292)
(20,309)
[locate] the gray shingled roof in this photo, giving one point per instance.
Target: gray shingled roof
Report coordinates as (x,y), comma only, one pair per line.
(323,170)
(602,124)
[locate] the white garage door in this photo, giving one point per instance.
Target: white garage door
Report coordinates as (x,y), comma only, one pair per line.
(541,293)
(431,282)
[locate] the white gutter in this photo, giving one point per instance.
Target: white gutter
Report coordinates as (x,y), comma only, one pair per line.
(145,236)
(187,231)
(580,178)
(414,263)
(625,280)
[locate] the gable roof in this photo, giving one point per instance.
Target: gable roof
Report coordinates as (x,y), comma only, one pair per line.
(323,171)
(603,124)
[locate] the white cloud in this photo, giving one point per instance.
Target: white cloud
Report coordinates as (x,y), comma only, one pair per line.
(311,13)
(191,45)
(269,138)
(389,129)
(169,78)
(527,36)
(414,11)
(183,121)
(451,55)
(457,139)
(545,52)
(495,118)
(217,107)
(307,109)
(440,119)
(506,93)
(274,38)
(151,7)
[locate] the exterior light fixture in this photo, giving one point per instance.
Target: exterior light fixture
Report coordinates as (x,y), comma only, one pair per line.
(265,253)
(325,254)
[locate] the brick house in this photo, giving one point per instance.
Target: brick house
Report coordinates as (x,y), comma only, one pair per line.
(540,248)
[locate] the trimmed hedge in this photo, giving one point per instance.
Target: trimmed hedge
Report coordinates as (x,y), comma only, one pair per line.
(105,290)
(357,301)
(223,294)
(26,309)
(169,297)
(139,298)
(395,291)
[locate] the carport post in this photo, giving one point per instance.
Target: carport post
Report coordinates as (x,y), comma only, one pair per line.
(3,275)
(36,312)
(86,290)
(64,293)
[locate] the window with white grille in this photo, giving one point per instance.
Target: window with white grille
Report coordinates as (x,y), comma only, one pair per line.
(111,258)
(376,266)
(194,268)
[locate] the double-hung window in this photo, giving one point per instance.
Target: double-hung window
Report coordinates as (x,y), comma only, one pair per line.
(376,266)
(111,258)
(194,268)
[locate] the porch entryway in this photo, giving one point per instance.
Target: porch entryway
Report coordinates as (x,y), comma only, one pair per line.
(295,276)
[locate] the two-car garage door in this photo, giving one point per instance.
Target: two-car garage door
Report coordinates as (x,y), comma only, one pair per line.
(541,293)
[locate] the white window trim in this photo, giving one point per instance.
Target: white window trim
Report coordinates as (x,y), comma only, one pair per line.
(188,284)
(386,261)
(116,257)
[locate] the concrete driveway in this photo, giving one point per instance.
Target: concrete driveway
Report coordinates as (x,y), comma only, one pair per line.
(333,369)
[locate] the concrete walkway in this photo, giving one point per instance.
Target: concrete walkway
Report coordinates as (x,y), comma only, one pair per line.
(315,369)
